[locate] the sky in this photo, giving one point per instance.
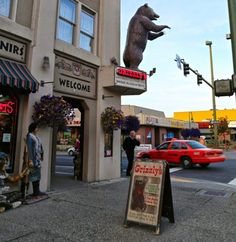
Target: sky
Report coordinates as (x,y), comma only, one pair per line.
(192,24)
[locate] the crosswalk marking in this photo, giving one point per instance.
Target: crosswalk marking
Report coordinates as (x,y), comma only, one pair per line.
(233,182)
(175,169)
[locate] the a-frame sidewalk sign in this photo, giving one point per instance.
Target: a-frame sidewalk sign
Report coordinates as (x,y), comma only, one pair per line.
(150,195)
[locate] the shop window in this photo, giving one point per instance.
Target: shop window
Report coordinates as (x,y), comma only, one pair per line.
(86,29)
(8,124)
(5,6)
(66,22)
(108,143)
(76,28)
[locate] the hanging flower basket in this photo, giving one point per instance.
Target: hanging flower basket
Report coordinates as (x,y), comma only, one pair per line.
(52,111)
(111,119)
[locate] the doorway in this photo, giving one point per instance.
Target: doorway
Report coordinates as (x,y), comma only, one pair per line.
(69,147)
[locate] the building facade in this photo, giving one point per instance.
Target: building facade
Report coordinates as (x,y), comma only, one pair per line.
(204,119)
(155,128)
(63,48)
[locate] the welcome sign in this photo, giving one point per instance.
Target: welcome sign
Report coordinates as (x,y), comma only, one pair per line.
(74,78)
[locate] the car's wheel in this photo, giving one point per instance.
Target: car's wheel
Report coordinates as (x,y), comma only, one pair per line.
(186,162)
(71,152)
(145,157)
(204,165)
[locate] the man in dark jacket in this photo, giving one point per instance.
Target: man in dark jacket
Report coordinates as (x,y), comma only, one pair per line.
(129,145)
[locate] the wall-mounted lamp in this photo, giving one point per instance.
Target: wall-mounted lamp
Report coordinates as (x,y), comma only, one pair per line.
(103,96)
(114,61)
(46,63)
(42,83)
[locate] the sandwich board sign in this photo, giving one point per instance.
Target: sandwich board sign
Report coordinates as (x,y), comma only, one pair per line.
(149,196)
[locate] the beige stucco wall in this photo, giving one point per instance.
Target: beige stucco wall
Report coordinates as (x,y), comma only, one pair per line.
(40,38)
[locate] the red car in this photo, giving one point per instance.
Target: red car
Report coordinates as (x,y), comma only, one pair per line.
(184,152)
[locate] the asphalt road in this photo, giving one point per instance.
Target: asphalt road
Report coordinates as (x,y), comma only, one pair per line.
(64,164)
(224,172)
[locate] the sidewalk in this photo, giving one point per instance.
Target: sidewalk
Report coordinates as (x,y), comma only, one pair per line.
(203,211)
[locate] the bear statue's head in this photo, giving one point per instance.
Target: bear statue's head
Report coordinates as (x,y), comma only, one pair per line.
(148,12)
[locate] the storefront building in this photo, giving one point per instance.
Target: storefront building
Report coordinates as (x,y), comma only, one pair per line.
(16,84)
(155,128)
(63,48)
(204,118)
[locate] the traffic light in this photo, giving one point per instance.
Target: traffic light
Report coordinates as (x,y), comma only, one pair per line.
(186,69)
(199,79)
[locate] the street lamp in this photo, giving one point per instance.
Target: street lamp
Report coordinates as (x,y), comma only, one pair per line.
(209,43)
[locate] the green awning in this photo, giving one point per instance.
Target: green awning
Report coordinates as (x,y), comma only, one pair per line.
(17,75)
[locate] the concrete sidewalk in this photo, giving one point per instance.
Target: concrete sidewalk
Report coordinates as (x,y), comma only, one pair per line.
(203,211)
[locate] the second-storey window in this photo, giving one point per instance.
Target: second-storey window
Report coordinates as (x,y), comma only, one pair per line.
(5,8)
(86,29)
(66,21)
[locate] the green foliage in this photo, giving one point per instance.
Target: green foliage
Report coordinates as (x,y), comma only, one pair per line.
(223,125)
(111,119)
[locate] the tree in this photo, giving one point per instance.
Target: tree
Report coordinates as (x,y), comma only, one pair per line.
(223,125)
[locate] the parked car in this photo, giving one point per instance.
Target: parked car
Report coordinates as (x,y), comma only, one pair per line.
(184,152)
(71,151)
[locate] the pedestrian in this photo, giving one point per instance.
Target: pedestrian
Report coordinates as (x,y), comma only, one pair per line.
(35,156)
(129,145)
(202,140)
(77,145)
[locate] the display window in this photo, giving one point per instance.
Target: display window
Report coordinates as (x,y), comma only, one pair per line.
(8,124)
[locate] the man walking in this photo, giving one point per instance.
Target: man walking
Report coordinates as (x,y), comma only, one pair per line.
(129,145)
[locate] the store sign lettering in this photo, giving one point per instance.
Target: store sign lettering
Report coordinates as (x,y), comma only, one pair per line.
(130,73)
(7,107)
(74,78)
(148,170)
(74,85)
(12,49)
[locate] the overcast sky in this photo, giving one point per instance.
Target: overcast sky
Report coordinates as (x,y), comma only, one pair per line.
(192,23)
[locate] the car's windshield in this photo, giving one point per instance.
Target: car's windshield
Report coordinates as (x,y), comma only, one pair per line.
(195,145)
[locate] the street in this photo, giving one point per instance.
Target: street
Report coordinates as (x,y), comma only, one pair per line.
(64,164)
(217,172)
(224,172)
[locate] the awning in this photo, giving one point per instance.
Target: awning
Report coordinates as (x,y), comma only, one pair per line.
(17,75)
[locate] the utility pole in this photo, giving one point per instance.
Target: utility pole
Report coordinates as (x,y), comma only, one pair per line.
(232,21)
(209,43)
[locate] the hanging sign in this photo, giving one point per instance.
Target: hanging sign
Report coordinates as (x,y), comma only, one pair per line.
(149,186)
(130,79)
(74,78)
(223,87)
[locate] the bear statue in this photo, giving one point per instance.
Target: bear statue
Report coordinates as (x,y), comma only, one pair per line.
(141,28)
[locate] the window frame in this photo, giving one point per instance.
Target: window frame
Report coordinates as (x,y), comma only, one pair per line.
(12,10)
(77,26)
(73,24)
(92,14)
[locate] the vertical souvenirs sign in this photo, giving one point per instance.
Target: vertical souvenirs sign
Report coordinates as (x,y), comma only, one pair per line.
(150,194)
